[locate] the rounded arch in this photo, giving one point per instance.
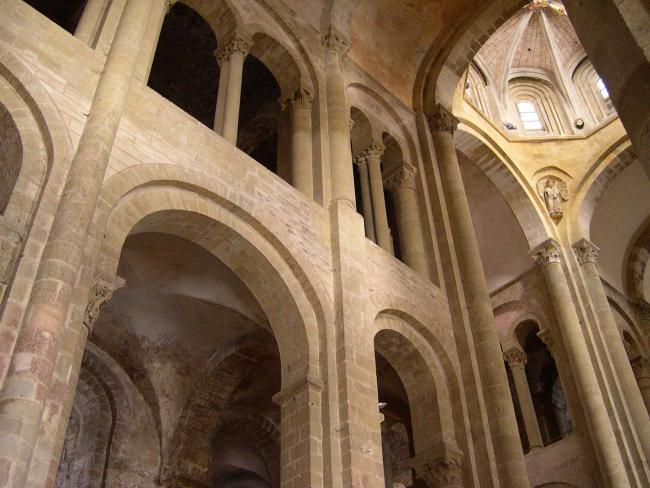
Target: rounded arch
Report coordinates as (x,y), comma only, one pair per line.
(442,69)
(602,173)
(289,291)
(221,15)
(520,197)
(361,133)
(509,316)
(383,117)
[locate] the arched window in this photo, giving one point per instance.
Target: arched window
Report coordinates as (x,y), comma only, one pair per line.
(529,116)
(602,88)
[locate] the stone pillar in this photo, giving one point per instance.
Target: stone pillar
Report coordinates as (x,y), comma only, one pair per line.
(547,255)
(301,461)
(224,72)
(400,180)
(159,10)
(641,368)
(30,372)
(234,50)
(341,175)
(441,468)
(587,255)
(496,391)
(372,157)
(516,360)
(86,30)
(366,198)
(302,174)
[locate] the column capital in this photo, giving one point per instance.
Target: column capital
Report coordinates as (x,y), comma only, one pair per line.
(515,357)
(442,120)
(360,160)
(336,42)
(547,338)
(440,467)
(290,392)
(373,151)
(300,100)
(100,293)
(586,251)
(546,253)
(236,43)
(400,175)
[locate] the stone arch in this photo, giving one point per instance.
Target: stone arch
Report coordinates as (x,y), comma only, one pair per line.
(520,196)
(509,316)
(441,70)
(207,409)
(361,133)
(221,15)
(133,447)
(383,117)
(280,62)
(337,16)
(433,347)
(596,181)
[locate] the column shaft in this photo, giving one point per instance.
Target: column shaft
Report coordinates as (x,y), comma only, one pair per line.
(400,180)
(222,93)
(516,360)
(587,254)
(605,445)
(30,372)
(501,415)
(341,174)
(372,156)
(159,10)
(366,199)
(86,30)
(302,176)
(234,50)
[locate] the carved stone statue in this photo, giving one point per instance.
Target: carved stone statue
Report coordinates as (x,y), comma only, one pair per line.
(555,193)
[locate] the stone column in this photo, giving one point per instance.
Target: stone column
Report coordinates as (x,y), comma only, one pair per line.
(234,50)
(516,360)
(641,368)
(159,10)
(86,30)
(224,72)
(372,157)
(496,391)
(547,255)
(30,372)
(302,175)
(441,468)
(587,255)
(366,198)
(301,460)
(341,175)
(400,180)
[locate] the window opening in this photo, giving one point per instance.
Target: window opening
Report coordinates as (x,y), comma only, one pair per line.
(602,89)
(529,116)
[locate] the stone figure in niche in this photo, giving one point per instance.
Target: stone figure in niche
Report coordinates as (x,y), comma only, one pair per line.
(555,193)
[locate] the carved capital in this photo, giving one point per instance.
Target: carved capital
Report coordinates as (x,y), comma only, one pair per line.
(586,251)
(300,100)
(100,293)
(546,253)
(547,338)
(400,175)
(442,120)
(234,44)
(516,358)
(373,152)
(337,43)
(440,469)
(360,161)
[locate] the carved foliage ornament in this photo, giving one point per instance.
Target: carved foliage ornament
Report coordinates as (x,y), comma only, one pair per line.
(515,357)
(336,42)
(400,175)
(586,252)
(100,293)
(444,471)
(554,192)
(234,44)
(300,100)
(546,253)
(372,153)
(441,120)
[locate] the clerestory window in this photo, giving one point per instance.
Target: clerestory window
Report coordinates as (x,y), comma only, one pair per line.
(529,116)
(602,88)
